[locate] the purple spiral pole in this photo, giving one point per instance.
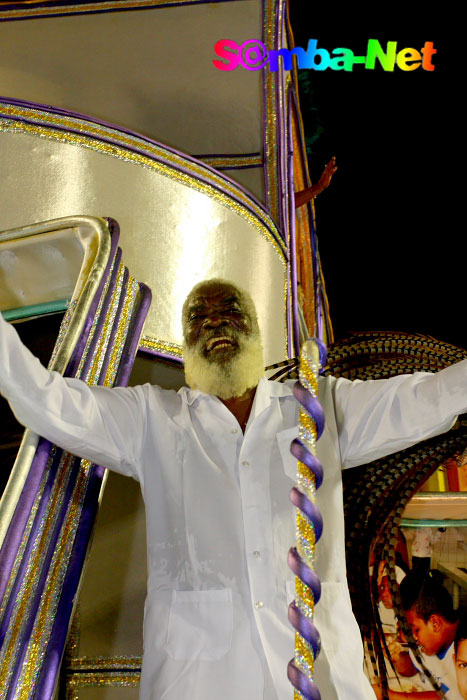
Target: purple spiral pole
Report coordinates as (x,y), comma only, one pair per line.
(309,523)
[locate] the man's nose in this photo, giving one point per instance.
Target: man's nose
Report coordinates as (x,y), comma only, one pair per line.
(215,321)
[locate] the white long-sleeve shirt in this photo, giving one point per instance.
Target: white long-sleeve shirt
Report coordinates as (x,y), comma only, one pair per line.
(219,520)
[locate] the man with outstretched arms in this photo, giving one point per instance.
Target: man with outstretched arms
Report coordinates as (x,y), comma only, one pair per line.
(215,469)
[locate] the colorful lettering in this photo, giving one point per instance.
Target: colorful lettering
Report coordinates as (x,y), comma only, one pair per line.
(406,57)
(375,51)
(253,55)
(233,59)
(344,61)
(428,52)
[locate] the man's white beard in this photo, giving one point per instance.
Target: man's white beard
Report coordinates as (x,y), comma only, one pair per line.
(229,378)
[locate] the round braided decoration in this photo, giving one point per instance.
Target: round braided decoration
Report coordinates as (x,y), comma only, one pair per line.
(376,494)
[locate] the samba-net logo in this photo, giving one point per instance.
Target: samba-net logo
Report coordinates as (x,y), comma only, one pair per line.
(253,55)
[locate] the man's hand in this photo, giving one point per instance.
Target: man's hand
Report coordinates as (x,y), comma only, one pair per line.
(326,176)
(304,196)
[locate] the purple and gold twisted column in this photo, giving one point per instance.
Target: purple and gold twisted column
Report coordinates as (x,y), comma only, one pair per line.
(309,522)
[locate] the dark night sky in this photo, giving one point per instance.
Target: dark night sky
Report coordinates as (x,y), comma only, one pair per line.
(391,229)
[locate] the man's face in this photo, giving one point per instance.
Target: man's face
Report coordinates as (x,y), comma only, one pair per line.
(460,662)
(215,321)
(428,634)
(385,593)
(222,344)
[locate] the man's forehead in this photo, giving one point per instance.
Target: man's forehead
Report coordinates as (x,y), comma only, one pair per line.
(222,293)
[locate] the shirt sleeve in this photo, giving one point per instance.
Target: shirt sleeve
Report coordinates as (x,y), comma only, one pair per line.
(377,417)
(103,425)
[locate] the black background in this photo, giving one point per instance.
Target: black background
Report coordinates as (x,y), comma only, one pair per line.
(391,226)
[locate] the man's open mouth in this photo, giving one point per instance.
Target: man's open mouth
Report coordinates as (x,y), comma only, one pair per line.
(219,342)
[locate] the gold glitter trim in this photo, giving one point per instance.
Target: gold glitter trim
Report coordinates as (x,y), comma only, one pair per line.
(132,290)
(233,161)
(104,337)
(308,423)
(305,528)
(49,600)
(89,663)
(129,679)
(105,6)
(259,219)
(20,615)
(305,593)
(25,538)
(304,653)
(149,343)
(271,117)
(95,322)
(306,473)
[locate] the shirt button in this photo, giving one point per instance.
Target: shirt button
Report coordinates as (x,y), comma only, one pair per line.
(256,553)
(259,604)
(246,463)
(234,430)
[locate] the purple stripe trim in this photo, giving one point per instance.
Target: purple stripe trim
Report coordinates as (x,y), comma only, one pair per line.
(15,6)
(307,688)
(239,167)
(136,326)
(51,665)
(44,572)
(311,511)
(306,628)
(300,452)
(265,121)
(281,135)
(226,155)
(101,320)
(75,360)
(141,151)
(108,300)
(15,531)
(304,573)
(311,404)
(293,232)
(56,644)
(20,517)
(30,544)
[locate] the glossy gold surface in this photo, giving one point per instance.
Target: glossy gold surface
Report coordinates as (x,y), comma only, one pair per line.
(176,228)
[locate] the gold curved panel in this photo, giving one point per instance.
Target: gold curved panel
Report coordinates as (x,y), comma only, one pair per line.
(176,227)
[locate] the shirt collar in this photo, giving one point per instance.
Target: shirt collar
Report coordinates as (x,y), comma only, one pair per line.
(265,391)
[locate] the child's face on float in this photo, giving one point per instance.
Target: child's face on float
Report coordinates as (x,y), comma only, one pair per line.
(460,662)
(428,635)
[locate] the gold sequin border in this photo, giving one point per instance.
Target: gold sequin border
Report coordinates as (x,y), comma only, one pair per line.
(155,158)
(92,663)
(153,344)
(233,161)
(129,679)
(270,83)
